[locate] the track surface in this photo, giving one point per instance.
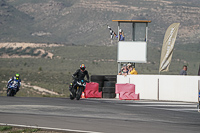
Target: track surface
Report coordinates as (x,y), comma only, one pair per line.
(101,115)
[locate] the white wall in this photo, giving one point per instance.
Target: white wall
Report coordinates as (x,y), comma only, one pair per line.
(132,51)
(145,85)
(123,79)
(179,88)
(164,87)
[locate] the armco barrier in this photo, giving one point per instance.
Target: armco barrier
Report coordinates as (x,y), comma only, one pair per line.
(92,90)
(164,87)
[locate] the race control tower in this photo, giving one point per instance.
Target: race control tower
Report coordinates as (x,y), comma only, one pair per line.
(134,50)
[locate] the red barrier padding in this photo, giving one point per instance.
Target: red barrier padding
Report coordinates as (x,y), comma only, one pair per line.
(124,87)
(128,96)
(126,91)
(92,90)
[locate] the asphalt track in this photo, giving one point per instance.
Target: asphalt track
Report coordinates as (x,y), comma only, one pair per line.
(100,115)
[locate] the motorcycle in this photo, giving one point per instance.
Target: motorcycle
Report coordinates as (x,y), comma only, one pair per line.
(12,88)
(77,89)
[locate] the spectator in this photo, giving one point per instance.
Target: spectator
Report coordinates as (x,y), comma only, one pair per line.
(129,66)
(184,70)
(121,35)
(124,70)
(132,71)
(199,71)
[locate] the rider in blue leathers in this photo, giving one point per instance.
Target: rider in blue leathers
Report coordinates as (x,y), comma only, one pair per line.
(15,79)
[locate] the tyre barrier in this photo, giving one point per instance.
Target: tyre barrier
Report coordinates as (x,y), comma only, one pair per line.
(110,78)
(97,78)
(108,95)
(106,84)
(100,89)
(109,83)
(108,90)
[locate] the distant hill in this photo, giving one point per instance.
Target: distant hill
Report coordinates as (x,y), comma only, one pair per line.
(84,22)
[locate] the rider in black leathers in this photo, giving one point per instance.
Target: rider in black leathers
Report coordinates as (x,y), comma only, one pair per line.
(80,75)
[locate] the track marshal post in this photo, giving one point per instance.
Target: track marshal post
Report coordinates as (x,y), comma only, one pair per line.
(133,50)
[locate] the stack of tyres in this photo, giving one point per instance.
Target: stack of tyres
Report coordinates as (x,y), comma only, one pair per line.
(108,90)
(98,79)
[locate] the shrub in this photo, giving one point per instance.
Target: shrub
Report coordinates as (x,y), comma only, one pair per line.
(44,55)
(36,54)
(5,128)
(40,69)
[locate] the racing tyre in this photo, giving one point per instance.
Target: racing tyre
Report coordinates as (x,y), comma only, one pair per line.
(110,78)
(97,78)
(100,89)
(108,90)
(109,83)
(109,95)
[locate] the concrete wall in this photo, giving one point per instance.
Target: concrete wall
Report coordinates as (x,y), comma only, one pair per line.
(164,87)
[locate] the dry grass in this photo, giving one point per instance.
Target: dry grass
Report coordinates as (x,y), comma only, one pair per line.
(10,129)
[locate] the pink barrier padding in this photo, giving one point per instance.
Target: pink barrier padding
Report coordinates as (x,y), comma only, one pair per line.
(92,90)
(93,94)
(128,96)
(126,91)
(124,88)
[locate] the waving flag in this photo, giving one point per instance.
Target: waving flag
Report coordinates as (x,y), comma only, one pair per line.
(168,46)
(112,33)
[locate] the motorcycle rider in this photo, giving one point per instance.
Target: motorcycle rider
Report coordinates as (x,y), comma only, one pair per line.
(15,79)
(79,75)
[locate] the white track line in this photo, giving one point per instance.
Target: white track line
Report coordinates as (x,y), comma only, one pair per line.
(162,105)
(48,128)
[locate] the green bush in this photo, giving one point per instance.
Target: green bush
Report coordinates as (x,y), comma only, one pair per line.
(44,55)
(40,69)
(36,54)
(5,128)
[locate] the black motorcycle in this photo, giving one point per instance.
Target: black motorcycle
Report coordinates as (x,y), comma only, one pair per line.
(12,89)
(77,89)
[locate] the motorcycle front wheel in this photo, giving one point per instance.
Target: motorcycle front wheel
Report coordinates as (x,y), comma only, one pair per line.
(71,97)
(10,93)
(78,94)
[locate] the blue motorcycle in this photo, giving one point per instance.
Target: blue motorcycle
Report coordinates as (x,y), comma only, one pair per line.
(12,89)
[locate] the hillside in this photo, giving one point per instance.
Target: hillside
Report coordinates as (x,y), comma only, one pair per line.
(84,21)
(54,73)
(45,41)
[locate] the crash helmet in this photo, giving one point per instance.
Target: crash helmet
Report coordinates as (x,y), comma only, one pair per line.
(17,76)
(82,66)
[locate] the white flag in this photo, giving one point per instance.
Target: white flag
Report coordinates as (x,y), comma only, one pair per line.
(168,46)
